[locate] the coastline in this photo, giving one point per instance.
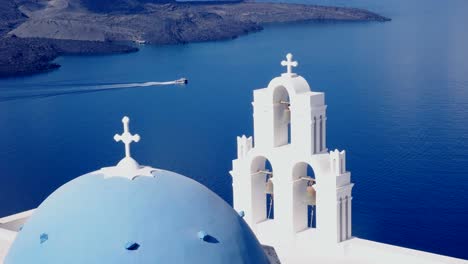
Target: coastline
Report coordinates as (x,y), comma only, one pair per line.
(33,41)
(29,56)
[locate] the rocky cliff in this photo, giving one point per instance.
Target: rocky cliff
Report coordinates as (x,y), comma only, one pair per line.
(36,31)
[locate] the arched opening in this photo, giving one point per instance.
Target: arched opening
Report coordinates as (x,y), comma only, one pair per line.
(340,202)
(282,116)
(262,190)
(321,134)
(318,133)
(346,218)
(315,135)
(304,197)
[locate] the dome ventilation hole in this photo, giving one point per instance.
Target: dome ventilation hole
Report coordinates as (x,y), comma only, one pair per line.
(132,246)
(202,235)
(43,237)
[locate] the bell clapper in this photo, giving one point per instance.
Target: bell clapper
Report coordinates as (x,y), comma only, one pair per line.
(271,206)
(311,215)
(269,190)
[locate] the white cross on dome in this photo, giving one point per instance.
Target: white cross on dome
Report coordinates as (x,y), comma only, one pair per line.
(126,137)
(127,167)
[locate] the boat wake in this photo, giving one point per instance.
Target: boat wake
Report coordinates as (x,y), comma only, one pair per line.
(65,89)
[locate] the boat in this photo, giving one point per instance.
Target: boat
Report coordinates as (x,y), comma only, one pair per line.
(181,81)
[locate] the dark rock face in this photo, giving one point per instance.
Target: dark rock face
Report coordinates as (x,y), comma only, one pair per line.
(30,55)
(25,56)
(41,30)
(10,16)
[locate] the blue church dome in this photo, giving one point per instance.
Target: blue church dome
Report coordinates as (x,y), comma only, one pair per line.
(163,218)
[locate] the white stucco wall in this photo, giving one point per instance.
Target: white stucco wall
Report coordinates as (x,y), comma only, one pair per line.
(9,227)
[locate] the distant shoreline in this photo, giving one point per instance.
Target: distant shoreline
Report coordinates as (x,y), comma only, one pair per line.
(32,38)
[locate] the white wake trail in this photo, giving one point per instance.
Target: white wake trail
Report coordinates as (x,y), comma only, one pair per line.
(17,94)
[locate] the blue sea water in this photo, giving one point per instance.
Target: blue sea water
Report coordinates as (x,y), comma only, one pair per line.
(398,104)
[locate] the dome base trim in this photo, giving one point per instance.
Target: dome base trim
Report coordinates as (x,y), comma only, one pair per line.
(127,168)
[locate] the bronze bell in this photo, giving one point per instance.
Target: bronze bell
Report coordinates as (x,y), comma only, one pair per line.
(310,195)
(269,186)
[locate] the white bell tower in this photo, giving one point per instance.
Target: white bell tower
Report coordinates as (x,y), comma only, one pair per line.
(287,168)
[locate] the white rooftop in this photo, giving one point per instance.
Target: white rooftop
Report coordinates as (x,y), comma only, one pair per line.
(9,227)
(352,251)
